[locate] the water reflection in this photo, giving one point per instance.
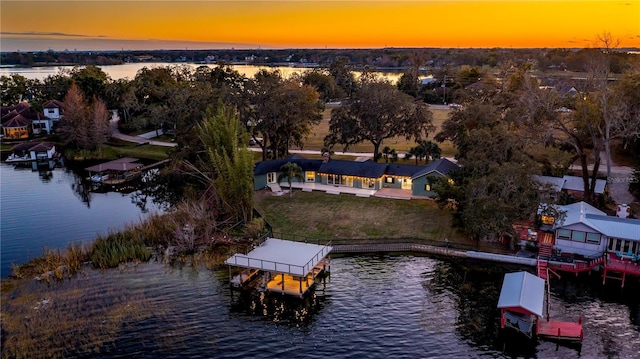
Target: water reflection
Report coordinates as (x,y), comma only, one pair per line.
(371,307)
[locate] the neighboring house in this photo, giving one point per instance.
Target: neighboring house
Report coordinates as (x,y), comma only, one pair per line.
(16,127)
(587,231)
(571,185)
(52,110)
(368,175)
(21,121)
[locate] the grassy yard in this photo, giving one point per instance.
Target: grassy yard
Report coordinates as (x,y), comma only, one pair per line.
(323,216)
(315,141)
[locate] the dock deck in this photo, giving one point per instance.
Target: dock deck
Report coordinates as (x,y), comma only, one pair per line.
(562,331)
(287,267)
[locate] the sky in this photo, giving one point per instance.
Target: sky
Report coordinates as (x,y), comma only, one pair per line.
(28,25)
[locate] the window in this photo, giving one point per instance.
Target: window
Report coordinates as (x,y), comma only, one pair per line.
(50,110)
(427,187)
(406,183)
(578,236)
(593,238)
(368,183)
(310,176)
(564,234)
(389,179)
(271,177)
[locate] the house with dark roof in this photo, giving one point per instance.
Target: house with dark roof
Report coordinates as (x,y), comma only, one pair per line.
(344,176)
(21,121)
(52,113)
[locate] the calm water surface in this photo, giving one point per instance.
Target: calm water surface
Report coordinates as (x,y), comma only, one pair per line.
(51,209)
(370,307)
(129,71)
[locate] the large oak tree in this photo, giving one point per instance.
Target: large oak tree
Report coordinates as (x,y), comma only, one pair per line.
(376,112)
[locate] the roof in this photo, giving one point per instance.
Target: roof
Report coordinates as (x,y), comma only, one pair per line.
(368,169)
(264,167)
(442,166)
(571,183)
(32,146)
(281,256)
(575,213)
(17,121)
(52,104)
(574,183)
(42,146)
(402,170)
(610,226)
(522,290)
(121,164)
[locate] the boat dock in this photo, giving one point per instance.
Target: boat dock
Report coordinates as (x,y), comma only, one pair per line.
(279,266)
(120,171)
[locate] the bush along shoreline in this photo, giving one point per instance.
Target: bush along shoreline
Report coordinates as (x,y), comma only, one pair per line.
(178,236)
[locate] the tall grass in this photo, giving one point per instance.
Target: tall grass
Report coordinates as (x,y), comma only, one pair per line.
(119,247)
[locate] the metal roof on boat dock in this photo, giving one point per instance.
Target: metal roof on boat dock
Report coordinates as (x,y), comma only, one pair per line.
(282,256)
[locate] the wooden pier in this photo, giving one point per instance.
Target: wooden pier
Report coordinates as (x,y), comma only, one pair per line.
(560,331)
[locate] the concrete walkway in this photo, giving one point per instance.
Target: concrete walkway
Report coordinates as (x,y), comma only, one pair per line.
(142,139)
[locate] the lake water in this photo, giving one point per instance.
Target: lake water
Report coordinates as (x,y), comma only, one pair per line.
(52,209)
(378,306)
(129,70)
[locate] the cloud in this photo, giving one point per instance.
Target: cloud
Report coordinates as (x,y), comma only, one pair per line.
(39,33)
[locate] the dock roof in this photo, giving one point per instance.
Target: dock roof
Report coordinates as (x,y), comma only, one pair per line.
(522,290)
(121,164)
(282,256)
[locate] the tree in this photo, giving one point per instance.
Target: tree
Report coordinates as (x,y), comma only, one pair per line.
(376,112)
(75,123)
(324,83)
(290,171)
(343,75)
(228,165)
(15,88)
(83,125)
(426,150)
(283,112)
(92,80)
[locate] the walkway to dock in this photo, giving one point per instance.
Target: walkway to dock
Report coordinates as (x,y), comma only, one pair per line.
(423,248)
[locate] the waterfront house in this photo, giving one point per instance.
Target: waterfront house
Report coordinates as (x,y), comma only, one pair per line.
(588,231)
(358,177)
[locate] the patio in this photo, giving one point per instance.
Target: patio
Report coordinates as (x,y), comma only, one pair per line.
(394,193)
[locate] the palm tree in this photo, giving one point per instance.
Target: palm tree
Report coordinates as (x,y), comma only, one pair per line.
(290,170)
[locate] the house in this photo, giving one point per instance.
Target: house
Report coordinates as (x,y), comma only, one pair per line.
(53,112)
(589,232)
(345,176)
(21,121)
(572,185)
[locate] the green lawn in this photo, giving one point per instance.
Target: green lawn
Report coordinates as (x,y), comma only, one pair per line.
(346,217)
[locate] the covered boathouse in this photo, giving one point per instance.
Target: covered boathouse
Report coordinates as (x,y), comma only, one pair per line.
(280,266)
(522,308)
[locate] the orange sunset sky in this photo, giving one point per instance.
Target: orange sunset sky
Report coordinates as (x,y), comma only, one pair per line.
(101,25)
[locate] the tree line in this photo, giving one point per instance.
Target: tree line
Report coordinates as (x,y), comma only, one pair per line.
(507,128)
